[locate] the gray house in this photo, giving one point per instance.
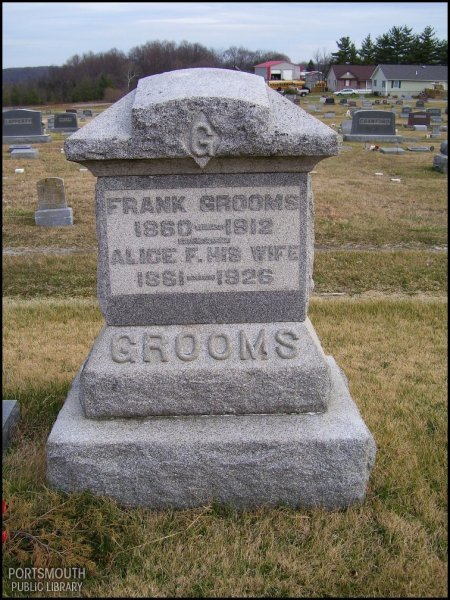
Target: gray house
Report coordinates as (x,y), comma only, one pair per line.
(408,79)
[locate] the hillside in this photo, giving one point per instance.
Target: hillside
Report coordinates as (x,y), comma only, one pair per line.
(24,74)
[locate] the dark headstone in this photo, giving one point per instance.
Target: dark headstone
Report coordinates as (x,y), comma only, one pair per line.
(71,110)
(435,112)
(343,101)
(420,104)
(418,118)
(373,122)
(21,122)
(444,148)
(65,122)
(87,112)
(329,100)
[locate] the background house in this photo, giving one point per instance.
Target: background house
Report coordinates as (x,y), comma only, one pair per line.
(278,70)
(408,79)
(350,76)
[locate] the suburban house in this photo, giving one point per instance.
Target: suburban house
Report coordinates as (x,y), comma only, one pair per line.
(408,79)
(278,70)
(350,76)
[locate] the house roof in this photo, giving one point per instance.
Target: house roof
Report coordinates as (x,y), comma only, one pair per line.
(271,63)
(360,72)
(415,72)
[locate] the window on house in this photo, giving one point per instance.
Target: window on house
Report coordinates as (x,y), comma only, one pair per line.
(383,84)
(374,83)
(396,84)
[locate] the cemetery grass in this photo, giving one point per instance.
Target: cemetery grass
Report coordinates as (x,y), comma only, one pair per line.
(393,545)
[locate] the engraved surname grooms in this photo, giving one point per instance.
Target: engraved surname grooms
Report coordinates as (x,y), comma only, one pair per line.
(155,348)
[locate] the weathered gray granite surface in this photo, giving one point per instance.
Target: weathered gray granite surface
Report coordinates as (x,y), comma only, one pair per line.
(162,117)
(321,459)
(54,217)
(205,369)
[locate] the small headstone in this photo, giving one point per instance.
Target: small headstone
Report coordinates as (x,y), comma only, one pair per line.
(346,126)
(23,125)
(329,115)
(65,122)
(52,209)
(87,112)
(72,110)
(435,112)
(25,153)
(418,118)
(436,119)
(329,101)
(351,103)
(10,416)
(420,104)
(440,163)
(444,147)
(392,151)
(419,148)
(443,128)
(435,131)
(420,128)
(19,147)
(399,102)
(343,101)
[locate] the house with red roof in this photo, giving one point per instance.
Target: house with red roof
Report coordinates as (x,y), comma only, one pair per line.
(278,70)
(358,77)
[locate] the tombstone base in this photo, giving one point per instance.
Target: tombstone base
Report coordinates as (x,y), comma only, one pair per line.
(354,137)
(26,139)
(205,369)
(246,461)
(54,217)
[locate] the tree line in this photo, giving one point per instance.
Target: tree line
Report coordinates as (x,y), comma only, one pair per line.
(110,75)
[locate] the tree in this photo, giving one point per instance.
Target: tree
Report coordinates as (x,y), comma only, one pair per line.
(426,52)
(367,51)
(396,47)
(346,54)
(310,66)
(323,60)
(442,52)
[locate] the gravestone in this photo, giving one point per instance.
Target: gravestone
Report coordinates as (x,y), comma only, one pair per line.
(420,128)
(392,151)
(329,101)
(10,416)
(435,119)
(346,126)
(373,126)
(208,381)
(87,112)
(351,103)
(420,104)
(52,210)
(399,102)
(418,118)
(65,122)
(71,110)
(24,153)
(434,112)
(329,115)
(405,112)
(23,125)
(435,131)
(343,101)
(420,148)
(20,147)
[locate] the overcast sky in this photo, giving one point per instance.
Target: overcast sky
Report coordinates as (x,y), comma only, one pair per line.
(47,33)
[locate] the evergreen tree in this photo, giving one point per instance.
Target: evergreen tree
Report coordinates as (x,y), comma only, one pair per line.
(396,47)
(346,54)
(367,52)
(310,66)
(426,52)
(442,52)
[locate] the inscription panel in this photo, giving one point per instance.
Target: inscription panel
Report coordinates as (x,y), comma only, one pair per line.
(203,240)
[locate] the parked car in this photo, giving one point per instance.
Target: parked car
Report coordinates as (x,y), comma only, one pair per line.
(351,92)
(345,92)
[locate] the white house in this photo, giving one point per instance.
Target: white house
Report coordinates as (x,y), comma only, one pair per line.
(408,79)
(278,70)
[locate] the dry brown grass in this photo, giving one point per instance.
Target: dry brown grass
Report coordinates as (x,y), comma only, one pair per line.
(394,545)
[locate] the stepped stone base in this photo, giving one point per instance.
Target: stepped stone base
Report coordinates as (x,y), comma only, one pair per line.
(54,217)
(304,460)
(355,137)
(174,370)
